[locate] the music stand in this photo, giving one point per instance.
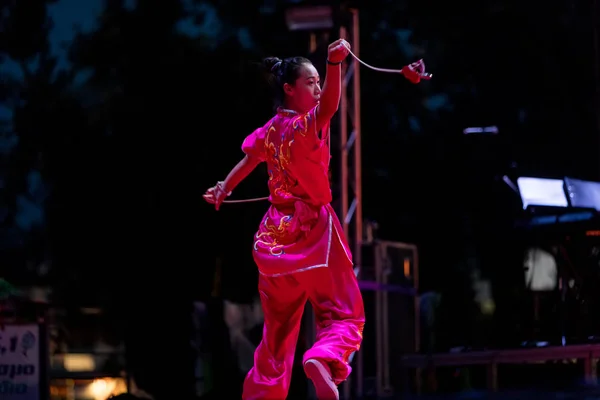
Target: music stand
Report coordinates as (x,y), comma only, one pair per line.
(542,192)
(583,194)
(549,194)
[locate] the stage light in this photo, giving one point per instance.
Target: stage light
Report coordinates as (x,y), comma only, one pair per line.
(79,362)
(542,192)
(309,18)
(488,130)
(100,389)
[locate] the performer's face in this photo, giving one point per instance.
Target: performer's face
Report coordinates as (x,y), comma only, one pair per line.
(306,91)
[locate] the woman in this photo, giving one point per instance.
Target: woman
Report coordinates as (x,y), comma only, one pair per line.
(300,248)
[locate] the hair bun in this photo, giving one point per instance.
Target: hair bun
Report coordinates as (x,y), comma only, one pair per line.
(272,64)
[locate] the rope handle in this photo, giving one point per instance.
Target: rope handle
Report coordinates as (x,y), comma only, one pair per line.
(209,196)
(414,72)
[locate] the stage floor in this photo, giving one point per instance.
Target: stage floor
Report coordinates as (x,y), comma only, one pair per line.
(582,394)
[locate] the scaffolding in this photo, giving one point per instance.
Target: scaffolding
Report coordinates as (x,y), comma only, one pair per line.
(350,143)
(350,179)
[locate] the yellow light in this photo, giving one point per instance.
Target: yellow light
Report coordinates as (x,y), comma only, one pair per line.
(79,362)
(100,389)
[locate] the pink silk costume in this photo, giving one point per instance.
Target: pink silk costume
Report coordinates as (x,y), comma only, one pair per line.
(301,254)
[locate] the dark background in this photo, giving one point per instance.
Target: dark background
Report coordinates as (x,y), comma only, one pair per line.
(107,151)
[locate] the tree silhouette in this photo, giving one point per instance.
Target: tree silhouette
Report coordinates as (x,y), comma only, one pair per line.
(38,98)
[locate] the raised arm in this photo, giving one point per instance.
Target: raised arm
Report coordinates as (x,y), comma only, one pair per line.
(332,87)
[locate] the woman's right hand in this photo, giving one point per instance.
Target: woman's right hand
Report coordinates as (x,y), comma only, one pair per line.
(216,195)
(338,51)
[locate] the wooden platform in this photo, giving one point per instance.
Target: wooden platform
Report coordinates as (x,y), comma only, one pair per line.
(589,354)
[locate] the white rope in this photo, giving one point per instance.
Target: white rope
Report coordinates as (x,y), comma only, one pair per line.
(246,200)
(387,70)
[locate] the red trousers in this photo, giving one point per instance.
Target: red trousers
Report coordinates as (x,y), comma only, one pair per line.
(337,302)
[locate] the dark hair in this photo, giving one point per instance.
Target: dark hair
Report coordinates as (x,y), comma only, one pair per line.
(280,71)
